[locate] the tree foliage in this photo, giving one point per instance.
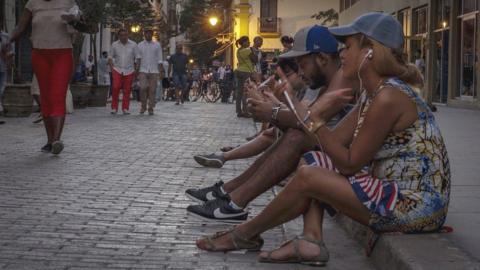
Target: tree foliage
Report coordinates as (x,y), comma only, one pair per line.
(202,37)
(327,17)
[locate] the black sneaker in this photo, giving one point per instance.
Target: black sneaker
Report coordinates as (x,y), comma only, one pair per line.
(205,194)
(47,148)
(211,161)
(218,210)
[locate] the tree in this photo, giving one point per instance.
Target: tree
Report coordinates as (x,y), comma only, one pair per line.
(328,17)
(202,37)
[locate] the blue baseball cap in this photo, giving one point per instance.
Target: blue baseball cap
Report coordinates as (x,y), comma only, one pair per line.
(312,39)
(381,27)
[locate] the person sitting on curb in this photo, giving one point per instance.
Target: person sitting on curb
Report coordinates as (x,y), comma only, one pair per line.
(385,165)
(316,53)
(267,137)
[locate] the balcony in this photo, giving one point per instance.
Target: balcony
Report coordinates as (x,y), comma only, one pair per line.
(269,27)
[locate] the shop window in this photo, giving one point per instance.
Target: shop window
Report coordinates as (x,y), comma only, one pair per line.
(468,59)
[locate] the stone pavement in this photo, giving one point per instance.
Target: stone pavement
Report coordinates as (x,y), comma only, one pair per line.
(114,199)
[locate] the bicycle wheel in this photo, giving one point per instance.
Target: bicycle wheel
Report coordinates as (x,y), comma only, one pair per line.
(213,93)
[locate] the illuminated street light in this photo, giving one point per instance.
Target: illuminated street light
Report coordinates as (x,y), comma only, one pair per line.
(135,28)
(444,24)
(191,61)
(213,21)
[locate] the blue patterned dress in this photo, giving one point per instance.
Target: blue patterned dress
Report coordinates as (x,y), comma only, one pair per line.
(406,187)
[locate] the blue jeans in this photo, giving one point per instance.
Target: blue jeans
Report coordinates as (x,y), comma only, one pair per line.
(180,81)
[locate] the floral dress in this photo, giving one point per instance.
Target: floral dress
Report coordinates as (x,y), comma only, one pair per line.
(406,186)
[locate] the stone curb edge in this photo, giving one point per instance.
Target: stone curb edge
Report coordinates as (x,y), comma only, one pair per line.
(411,251)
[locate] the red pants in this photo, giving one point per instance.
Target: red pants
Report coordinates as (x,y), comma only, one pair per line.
(121,81)
(53,68)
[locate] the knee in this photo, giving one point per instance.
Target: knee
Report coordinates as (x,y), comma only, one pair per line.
(308,176)
(303,177)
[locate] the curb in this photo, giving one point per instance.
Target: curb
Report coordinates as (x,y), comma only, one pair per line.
(411,251)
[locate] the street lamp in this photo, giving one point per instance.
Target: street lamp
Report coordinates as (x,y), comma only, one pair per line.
(213,20)
(135,28)
(191,61)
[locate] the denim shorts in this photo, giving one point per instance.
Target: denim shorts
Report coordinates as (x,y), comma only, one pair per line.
(180,81)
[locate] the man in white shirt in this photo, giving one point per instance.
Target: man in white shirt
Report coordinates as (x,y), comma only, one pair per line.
(151,64)
(124,68)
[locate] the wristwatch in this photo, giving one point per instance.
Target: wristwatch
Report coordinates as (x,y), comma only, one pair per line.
(275,111)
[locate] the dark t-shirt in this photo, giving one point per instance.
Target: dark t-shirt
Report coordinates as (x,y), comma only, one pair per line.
(179,62)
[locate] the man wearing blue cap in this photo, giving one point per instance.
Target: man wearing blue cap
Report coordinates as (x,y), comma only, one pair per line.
(315,50)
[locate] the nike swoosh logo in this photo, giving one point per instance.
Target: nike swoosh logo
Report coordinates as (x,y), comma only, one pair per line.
(219,214)
(210,196)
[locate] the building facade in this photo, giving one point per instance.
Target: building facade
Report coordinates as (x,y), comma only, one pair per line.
(272,19)
(443,34)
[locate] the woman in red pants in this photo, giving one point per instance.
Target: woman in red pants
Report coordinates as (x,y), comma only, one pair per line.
(52,61)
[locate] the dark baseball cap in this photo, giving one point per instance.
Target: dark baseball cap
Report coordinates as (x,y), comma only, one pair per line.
(312,39)
(381,27)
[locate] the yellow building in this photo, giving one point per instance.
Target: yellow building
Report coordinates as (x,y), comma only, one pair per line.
(272,19)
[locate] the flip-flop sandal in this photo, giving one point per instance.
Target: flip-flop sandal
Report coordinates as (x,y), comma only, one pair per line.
(239,242)
(320,260)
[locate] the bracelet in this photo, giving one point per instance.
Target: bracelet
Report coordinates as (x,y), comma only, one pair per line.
(275,111)
(314,127)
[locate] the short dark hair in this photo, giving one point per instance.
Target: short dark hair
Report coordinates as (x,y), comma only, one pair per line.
(286,39)
(122,30)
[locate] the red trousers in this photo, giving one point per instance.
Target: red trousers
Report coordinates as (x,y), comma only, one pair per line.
(124,82)
(53,68)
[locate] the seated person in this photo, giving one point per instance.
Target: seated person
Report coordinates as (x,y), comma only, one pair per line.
(267,137)
(385,165)
(318,63)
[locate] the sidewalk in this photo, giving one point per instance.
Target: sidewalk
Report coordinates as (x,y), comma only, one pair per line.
(461,130)
(114,199)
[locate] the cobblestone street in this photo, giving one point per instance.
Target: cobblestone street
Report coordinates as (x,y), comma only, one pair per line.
(114,199)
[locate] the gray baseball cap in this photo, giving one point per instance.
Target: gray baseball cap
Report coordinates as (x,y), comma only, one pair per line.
(381,27)
(312,39)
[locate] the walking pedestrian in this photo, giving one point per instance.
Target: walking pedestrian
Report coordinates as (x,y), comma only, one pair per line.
(177,69)
(103,70)
(124,69)
(150,59)
(52,60)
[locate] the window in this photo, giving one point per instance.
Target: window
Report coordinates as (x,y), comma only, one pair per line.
(346,4)
(468,6)
(420,20)
(443,14)
(268,8)
(269,23)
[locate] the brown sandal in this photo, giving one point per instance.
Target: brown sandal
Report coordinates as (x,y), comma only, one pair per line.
(320,260)
(239,242)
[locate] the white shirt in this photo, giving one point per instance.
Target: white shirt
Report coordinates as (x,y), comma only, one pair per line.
(221,73)
(124,56)
(151,56)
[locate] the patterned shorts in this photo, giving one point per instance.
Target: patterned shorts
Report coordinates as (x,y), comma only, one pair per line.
(383,199)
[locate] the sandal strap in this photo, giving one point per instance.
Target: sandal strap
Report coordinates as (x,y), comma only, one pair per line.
(240,242)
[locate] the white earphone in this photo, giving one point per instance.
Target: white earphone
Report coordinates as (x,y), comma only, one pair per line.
(369,54)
